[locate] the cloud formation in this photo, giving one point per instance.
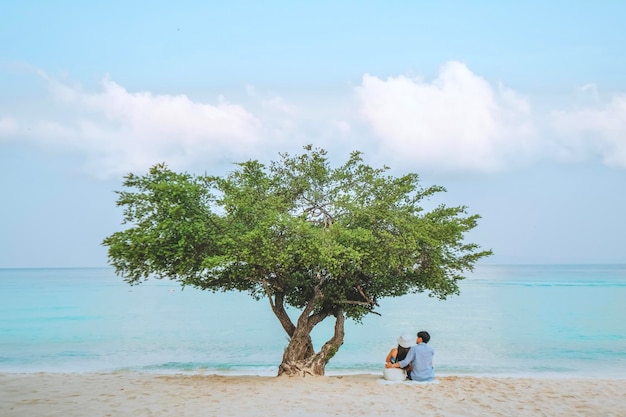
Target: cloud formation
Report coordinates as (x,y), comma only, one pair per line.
(457,122)
(172,127)
(594,131)
(8,126)
(120,131)
(116,131)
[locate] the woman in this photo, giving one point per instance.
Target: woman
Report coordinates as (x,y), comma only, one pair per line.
(396,355)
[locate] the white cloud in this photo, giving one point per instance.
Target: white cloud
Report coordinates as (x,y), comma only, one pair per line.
(457,122)
(343,127)
(279,116)
(8,126)
(120,131)
(116,131)
(273,102)
(595,131)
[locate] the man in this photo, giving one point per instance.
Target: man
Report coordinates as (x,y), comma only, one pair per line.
(420,357)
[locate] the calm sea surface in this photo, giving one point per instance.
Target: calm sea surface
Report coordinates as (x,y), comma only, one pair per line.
(531,320)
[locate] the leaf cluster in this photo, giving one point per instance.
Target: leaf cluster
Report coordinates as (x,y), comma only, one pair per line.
(294,228)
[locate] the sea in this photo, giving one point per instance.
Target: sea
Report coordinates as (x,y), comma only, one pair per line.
(509,321)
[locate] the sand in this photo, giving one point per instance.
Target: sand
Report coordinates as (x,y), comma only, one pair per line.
(130,394)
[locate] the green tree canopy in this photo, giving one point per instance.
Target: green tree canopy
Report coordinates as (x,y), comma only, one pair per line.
(329,242)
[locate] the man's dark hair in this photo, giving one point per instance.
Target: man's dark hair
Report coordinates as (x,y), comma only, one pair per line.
(424,335)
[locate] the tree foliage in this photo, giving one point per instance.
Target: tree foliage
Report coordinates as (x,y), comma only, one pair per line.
(327,241)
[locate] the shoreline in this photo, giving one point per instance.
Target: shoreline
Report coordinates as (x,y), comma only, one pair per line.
(146,394)
(205,372)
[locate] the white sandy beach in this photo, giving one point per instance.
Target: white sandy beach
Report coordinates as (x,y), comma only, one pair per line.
(124,394)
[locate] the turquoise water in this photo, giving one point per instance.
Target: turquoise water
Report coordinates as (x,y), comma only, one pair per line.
(532,320)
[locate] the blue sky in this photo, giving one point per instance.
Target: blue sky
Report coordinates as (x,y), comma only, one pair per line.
(518,109)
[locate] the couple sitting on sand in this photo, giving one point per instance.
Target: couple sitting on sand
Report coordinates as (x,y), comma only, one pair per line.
(411,359)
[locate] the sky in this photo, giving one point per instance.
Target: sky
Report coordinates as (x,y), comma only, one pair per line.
(517,108)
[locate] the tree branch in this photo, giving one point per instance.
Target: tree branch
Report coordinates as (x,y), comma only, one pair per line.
(356,303)
(317,210)
(337,340)
(360,303)
(310,306)
(365,297)
(278,307)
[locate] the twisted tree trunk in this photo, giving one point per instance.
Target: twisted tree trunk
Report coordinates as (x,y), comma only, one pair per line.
(300,357)
(278,307)
(298,360)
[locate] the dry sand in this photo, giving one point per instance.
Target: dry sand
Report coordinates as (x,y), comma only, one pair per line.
(128,394)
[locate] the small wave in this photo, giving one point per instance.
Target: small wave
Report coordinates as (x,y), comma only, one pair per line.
(206,368)
(600,284)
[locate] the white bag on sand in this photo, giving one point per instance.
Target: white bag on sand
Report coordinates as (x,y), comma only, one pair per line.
(394,374)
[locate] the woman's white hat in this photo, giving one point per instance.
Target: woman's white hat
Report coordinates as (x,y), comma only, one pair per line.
(406,340)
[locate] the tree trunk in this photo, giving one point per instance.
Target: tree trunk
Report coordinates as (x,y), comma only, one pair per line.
(279,311)
(297,360)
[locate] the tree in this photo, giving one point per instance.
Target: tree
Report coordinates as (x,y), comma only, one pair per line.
(329,242)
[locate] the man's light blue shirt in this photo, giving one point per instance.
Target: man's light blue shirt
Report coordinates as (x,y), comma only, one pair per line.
(421,357)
